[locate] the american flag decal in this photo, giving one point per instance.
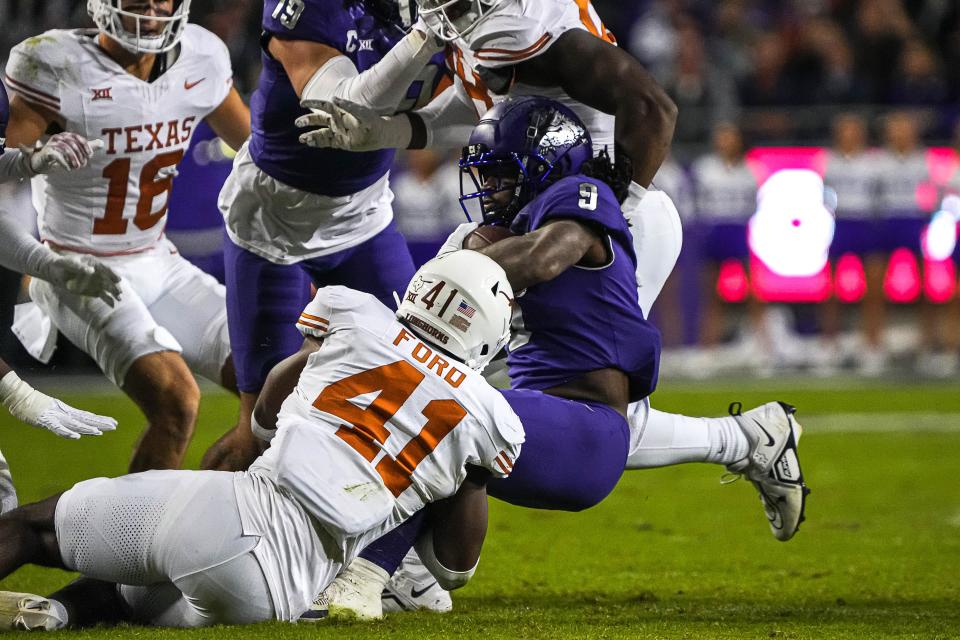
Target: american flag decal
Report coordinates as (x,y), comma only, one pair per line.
(466,309)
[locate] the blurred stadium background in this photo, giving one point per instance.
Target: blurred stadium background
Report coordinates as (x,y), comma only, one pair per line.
(863,92)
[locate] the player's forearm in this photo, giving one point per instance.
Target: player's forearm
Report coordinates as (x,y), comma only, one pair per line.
(447,121)
(456,528)
(381,87)
(21,252)
(14,165)
(603,76)
(644,130)
(542,255)
(280,383)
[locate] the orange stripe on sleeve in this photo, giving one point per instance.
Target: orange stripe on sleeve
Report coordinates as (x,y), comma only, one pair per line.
(596,28)
(504,55)
(312,325)
(304,314)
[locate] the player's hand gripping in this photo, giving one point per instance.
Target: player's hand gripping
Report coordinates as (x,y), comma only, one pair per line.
(40,410)
(84,275)
(351,127)
(62,151)
(454,241)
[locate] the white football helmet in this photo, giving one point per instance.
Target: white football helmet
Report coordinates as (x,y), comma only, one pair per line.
(460,302)
(108,16)
(452,19)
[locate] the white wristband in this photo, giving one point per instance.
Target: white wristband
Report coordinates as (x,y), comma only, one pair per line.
(23,401)
(261,432)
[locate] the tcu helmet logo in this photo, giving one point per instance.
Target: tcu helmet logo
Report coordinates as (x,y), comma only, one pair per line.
(102,94)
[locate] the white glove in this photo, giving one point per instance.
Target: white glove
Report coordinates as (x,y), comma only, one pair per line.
(352,127)
(84,275)
(40,410)
(454,241)
(62,151)
(432,40)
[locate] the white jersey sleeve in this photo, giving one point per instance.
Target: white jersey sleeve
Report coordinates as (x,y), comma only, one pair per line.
(35,69)
(517,31)
(336,308)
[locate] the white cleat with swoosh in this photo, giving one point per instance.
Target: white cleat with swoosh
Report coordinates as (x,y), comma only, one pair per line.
(773,465)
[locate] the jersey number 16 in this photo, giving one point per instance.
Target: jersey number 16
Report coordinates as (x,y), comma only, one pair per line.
(118,174)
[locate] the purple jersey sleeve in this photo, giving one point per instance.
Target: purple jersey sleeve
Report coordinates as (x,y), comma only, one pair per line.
(326,21)
(575,197)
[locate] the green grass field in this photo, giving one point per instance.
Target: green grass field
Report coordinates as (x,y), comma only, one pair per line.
(671,553)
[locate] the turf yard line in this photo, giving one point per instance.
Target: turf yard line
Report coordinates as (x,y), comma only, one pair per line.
(881,423)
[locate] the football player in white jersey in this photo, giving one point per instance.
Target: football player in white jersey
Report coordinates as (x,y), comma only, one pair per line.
(379,414)
(559,49)
(22,253)
(139,83)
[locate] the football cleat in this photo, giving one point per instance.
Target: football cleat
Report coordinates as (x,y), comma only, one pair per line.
(27,612)
(354,594)
(413,587)
(773,465)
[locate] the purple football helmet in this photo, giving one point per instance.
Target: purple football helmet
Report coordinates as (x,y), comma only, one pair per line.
(4,115)
(521,145)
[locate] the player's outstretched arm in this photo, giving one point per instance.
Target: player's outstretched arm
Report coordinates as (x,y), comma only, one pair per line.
(280,383)
(40,410)
(319,72)
(23,253)
(444,123)
(608,78)
(62,151)
(454,532)
(231,120)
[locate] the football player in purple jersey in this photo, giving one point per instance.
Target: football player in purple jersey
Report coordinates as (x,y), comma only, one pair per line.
(296,215)
(583,358)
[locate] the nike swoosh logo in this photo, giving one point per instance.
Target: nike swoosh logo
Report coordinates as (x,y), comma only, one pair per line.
(190,85)
(770,440)
(417,593)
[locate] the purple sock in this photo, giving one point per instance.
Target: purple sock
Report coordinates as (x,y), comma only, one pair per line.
(388,551)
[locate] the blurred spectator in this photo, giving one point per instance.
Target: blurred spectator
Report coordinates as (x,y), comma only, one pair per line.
(851,170)
(673,180)
(726,193)
(698,87)
(880,29)
(919,80)
(903,171)
(427,196)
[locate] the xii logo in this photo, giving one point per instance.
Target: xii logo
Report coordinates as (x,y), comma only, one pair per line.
(102,94)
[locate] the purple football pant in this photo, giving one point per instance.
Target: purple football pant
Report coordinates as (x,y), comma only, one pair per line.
(572,458)
(573,455)
(265,299)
